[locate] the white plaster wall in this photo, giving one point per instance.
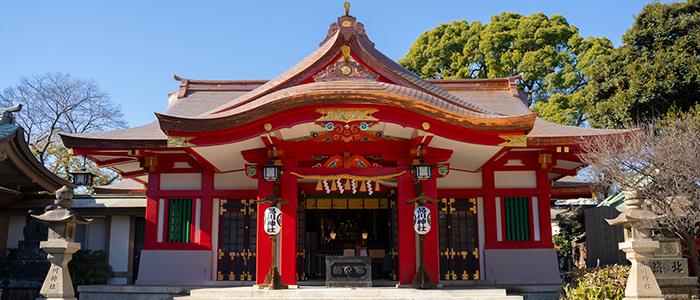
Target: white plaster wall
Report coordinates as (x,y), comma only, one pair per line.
(521,265)
(234,181)
(180,266)
(515,180)
(461,180)
(15,230)
(119,243)
(186,181)
(96,233)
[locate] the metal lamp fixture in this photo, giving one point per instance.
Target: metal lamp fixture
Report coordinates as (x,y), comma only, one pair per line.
(364,235)
(332,235)
(272,172)
(422,171)
(82,177)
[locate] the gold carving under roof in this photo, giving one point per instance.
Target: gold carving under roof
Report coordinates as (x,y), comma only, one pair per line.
(268,126)
(346,52)
(426,125)
(180,141)
(514,140)
(346,115)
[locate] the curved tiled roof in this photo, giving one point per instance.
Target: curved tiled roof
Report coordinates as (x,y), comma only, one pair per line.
(548,133)
(145,136)
(287,86)
(353,92)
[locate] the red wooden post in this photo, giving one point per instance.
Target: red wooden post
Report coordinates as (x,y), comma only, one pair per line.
(205,208)
(263,252)
(543,206)
(490,213)
(407,236)
(288,246)
(151,232)
(431,249)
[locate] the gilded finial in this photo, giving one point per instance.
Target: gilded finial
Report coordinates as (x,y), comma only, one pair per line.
(347,8)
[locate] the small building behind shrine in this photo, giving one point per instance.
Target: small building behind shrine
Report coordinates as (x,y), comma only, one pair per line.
(346,125)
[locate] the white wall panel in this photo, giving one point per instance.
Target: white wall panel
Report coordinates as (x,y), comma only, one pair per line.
(515,180)
(186,181)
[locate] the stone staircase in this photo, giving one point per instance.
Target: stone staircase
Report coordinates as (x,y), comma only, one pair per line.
(323,293)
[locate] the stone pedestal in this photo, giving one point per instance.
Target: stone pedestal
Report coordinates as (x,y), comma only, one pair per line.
(639,248)
(60,246)
(348,271)
(671,271)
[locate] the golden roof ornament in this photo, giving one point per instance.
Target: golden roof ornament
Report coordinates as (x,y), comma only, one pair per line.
(348,26)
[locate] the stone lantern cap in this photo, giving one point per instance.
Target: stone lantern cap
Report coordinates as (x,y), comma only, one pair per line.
(61,213)
(634,213)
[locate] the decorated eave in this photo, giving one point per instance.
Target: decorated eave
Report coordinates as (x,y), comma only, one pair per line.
(20,172)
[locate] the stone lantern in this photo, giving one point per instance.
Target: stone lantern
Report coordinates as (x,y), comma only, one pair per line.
(60,245)
(639,247)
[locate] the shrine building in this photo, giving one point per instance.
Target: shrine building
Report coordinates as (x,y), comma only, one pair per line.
(345,127)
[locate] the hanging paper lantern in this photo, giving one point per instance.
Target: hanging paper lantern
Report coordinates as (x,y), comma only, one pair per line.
(273,220)
(421,220)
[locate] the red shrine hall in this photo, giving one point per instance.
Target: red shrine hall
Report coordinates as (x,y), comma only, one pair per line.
(345,130)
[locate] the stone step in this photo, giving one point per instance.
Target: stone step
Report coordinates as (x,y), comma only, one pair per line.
(322,293)
(347,298)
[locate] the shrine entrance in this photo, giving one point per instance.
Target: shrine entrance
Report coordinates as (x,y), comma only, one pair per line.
(349,225)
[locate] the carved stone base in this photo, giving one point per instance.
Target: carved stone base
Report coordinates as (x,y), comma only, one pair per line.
(348,271)
(273,281)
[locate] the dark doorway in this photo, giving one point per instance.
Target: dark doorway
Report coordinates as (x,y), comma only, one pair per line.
(361,226)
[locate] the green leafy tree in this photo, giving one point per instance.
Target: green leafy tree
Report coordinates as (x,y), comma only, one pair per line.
(552,57)
(55,103)
(657,67)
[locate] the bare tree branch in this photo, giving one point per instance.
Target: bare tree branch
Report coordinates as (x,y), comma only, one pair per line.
(56,103)
(662,160)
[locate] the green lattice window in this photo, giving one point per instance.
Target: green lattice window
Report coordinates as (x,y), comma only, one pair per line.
(517,218)
(179,220)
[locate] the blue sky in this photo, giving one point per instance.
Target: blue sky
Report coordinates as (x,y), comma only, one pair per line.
(132,48)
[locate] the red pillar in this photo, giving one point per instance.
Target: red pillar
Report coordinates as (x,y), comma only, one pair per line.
(431,248)
(543,206)
(490,226)
(151,232)
(407,236)
(262,266)
(206,207)
(288,246)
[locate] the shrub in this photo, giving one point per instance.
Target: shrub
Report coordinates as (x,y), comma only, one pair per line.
(600,283)
(88,268)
